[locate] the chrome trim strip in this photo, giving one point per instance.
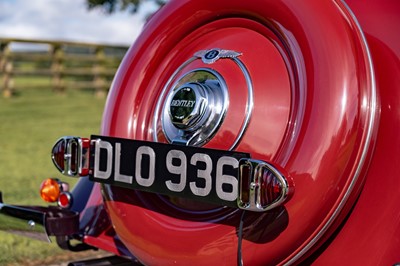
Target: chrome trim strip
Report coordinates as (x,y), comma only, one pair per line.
(370,132)
(249,104)
(68,156)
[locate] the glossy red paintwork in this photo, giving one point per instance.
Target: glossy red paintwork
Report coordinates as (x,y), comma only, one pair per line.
(371,234)
(315,115)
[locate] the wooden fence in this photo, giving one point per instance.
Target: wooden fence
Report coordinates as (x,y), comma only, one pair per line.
(58,65)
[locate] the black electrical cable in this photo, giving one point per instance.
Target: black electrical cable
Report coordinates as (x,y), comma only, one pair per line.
(240,237)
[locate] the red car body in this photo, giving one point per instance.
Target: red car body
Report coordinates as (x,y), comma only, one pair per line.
(311,87)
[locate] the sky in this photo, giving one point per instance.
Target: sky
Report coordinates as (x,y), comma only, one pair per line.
(69,20)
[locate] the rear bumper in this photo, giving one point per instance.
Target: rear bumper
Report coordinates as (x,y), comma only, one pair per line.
(38,222)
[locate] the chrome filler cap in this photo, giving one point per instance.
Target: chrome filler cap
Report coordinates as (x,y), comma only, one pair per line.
(195,107)
(187,106)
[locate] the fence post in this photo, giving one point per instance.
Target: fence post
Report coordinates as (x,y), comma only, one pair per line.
(57,68)
(6,66)
(99,80)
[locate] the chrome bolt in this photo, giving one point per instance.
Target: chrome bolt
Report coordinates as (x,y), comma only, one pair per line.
(31,224)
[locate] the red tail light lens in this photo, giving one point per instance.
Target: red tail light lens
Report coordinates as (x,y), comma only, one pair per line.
(58,153)
(270,188)
(262,186)
(65,200)
(70,155)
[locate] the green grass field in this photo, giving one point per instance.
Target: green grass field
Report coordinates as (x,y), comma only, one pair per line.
(30,123)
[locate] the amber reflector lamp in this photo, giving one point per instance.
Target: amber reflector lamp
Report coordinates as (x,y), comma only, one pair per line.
(50,190)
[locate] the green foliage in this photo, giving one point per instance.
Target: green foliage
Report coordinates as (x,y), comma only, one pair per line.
(30,123)
(110,6)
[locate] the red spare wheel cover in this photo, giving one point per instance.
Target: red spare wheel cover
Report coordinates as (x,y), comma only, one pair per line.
(314,115)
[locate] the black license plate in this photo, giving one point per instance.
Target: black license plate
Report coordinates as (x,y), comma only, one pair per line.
(197,173)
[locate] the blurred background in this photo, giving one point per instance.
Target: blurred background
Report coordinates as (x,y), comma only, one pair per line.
(107,22)
(57,60)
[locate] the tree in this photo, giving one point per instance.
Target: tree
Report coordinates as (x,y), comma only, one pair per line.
(111,6)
